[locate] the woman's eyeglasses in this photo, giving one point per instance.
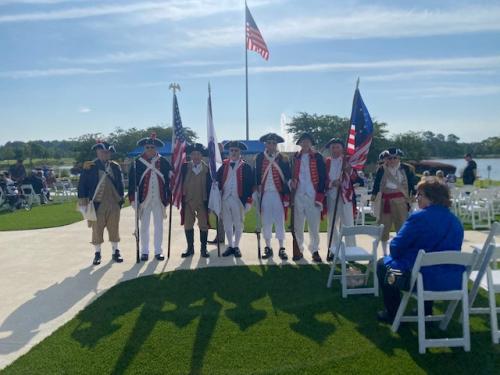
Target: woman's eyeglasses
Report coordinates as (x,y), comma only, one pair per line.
(150,147)
(234,150)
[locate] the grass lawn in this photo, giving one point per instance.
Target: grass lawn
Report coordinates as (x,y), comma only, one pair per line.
(245,320)
(46,216)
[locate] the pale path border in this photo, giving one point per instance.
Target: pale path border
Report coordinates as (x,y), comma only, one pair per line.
(46,275)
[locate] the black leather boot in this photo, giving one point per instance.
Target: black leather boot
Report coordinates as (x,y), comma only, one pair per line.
(203,240)
(190,243)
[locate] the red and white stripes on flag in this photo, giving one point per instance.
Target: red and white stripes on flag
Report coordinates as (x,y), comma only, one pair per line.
(255,41)
(178,155)
(351,140)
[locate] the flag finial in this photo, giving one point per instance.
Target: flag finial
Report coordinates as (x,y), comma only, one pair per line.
(209,90)
(174,87)
(357,83)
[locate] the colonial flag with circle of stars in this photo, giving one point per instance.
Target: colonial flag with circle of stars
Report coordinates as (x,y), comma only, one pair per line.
(360,133)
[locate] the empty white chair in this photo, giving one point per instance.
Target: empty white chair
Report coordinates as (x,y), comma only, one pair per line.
(344,254)
(484,275)
(364,208)
(461,295)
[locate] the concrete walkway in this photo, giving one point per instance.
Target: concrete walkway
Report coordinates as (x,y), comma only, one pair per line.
(47,277)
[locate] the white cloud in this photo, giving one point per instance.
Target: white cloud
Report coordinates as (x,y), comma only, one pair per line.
(141,12)
(359,23)
(410,75)
(487,62)
(18,74)
(84,110)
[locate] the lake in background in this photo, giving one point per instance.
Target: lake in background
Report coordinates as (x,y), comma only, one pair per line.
(482,165)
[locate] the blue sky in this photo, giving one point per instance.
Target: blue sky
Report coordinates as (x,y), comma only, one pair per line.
(71,67)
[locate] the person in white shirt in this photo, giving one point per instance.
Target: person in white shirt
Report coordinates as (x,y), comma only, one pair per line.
(236,181)
(151,173)
(340,175)
(308,181)
(272,174)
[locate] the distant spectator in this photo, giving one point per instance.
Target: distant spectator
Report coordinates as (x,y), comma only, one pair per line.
(425,175)
(470,171)
(440,176)
(17,171)
(50,178)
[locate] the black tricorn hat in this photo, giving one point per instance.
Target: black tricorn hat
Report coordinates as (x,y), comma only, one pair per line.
(383,154)
(334,141)
(271,137)
(151,140)
(101,145)
(393,151)
(196,147)
(305,136)
(235,144)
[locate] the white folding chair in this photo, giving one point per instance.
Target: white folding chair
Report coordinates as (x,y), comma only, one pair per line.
(344,254)
(29,193)
(433,259)
(364,208)
(484,275)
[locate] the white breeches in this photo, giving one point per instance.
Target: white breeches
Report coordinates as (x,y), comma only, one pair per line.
(232,217)
(306,209)
(345,217)
(272,213)
(158,212)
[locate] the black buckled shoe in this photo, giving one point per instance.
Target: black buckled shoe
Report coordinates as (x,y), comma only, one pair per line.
(282,254)
(97,259)
(237,252)
(160,257)
(187,253)
(316,257)
(117,257)
(268,253)
(203,240)
(144,257)
(296,258)
(229,251)
(329,257)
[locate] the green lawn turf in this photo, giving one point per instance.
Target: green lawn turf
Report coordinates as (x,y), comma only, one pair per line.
(245,320)
(46,216)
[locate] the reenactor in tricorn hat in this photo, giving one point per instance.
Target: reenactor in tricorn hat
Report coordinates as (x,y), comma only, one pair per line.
(236,181)
(308,181)
(272,174)
(101,185)
(150,172)
(395,183)
(196,184)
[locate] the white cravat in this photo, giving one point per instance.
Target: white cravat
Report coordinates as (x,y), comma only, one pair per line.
(197,168)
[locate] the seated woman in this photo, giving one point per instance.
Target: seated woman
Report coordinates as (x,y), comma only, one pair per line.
(432,228)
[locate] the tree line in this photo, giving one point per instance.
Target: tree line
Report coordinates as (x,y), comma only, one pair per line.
(416,145)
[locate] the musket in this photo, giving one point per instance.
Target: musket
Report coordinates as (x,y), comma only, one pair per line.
(136,195)
(258,223)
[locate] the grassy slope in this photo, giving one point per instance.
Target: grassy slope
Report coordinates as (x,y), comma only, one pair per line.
(48,216)
(244,320)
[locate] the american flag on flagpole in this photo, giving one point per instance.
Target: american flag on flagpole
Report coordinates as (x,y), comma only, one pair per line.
(255,41)
(360,133)
(178,155)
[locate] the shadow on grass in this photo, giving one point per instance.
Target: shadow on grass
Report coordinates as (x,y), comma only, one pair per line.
(142,319)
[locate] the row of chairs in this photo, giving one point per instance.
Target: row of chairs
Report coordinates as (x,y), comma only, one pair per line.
(63,190)
(480,269)
(476,206)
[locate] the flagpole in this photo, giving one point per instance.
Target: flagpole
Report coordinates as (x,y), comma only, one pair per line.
(174,87)
(246,74)
(334,219)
